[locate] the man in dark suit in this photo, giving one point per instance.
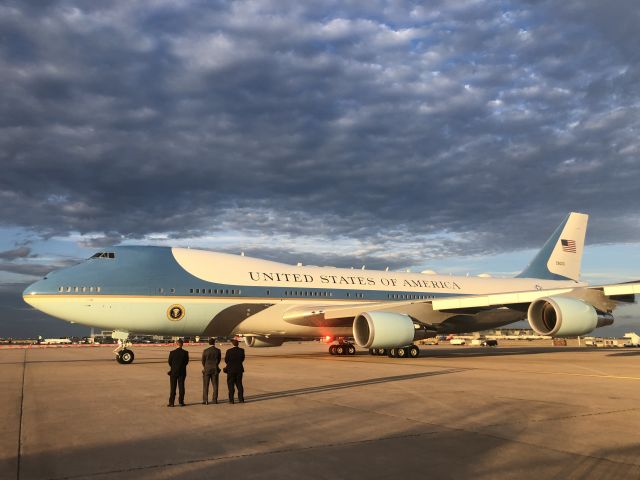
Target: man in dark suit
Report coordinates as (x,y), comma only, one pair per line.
(210,369)
(178,360)
(234,369)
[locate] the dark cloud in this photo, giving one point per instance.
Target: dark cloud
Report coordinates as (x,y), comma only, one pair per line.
(479,124)
(26,268)
(35,269)
(18,252)
(20,260)
(101,241)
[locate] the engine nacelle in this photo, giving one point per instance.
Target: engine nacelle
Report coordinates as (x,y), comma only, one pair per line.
(383,330)
(565,317)
(263,342)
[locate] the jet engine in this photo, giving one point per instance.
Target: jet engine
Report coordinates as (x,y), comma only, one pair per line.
(383,330)
(565,317)
(263,342)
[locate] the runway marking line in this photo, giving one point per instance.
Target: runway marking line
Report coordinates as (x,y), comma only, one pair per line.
(19,455)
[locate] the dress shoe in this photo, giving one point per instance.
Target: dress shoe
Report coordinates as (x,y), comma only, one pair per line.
(169,404)
(241,400)
(182,404)
(231,401)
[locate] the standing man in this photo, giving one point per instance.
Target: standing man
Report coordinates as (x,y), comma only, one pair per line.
(234,369)
(178,360)
(210,369)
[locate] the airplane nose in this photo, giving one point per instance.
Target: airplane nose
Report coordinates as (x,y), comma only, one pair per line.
(29,292)
(33,290)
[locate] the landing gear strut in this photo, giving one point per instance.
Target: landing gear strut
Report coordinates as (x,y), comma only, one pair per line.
(342,348)
(410,351)
(123,354)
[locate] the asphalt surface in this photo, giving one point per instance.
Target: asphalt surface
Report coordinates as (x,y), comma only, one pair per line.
(514,412)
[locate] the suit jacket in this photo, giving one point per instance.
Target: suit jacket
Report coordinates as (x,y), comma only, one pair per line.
(234,358)
(211,359)
(178,360)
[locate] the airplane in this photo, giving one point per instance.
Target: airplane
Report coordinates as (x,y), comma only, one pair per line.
(189,292)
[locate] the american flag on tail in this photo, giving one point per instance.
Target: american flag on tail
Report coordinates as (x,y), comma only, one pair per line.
(568,245)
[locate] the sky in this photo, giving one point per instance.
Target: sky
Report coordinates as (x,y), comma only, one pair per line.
(452,135)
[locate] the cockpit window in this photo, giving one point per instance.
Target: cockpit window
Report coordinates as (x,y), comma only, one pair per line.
(104,255)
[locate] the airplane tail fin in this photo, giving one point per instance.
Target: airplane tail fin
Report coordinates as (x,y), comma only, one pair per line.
(560,257)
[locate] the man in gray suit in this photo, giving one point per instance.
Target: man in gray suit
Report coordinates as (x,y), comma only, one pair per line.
(210,360)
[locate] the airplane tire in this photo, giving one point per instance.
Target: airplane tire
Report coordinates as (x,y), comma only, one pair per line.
(392,353)
(351,350)
(401,352)
(414,352)
(126,356)
(118,359)
(373,351)
(382,351)
(332,349)
(339,350)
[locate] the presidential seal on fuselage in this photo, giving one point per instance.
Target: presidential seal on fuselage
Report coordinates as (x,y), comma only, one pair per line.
(175,312)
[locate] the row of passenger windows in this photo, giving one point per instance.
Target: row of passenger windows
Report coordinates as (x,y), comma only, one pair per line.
(311,293)
(403,296)
(287,293)
(304,293)
(79,289)
(215,291)
(300,293)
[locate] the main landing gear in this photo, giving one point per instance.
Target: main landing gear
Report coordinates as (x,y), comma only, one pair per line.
(342,349)
(410,351)
(123,354)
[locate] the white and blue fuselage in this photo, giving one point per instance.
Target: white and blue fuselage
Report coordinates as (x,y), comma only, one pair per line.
(178,291)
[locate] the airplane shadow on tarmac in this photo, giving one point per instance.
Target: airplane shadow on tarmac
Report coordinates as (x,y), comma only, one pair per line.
(340,386)
(495,352)
(628,353)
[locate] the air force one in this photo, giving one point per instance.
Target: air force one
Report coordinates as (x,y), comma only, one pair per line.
(179,292)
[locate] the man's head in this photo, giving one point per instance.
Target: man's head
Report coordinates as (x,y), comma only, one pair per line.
(234,342)
(212,341)
(179,342)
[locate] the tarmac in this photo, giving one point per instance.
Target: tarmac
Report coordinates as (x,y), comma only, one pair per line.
(510,412)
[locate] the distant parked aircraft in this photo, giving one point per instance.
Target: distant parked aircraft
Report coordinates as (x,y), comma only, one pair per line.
(178,291)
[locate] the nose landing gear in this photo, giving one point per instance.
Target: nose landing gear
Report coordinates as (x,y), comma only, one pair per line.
(123,354)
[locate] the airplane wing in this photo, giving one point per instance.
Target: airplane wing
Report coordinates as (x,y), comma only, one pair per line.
(494,299)
(593,294)
(343,315)
(627,288)
(603,297)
